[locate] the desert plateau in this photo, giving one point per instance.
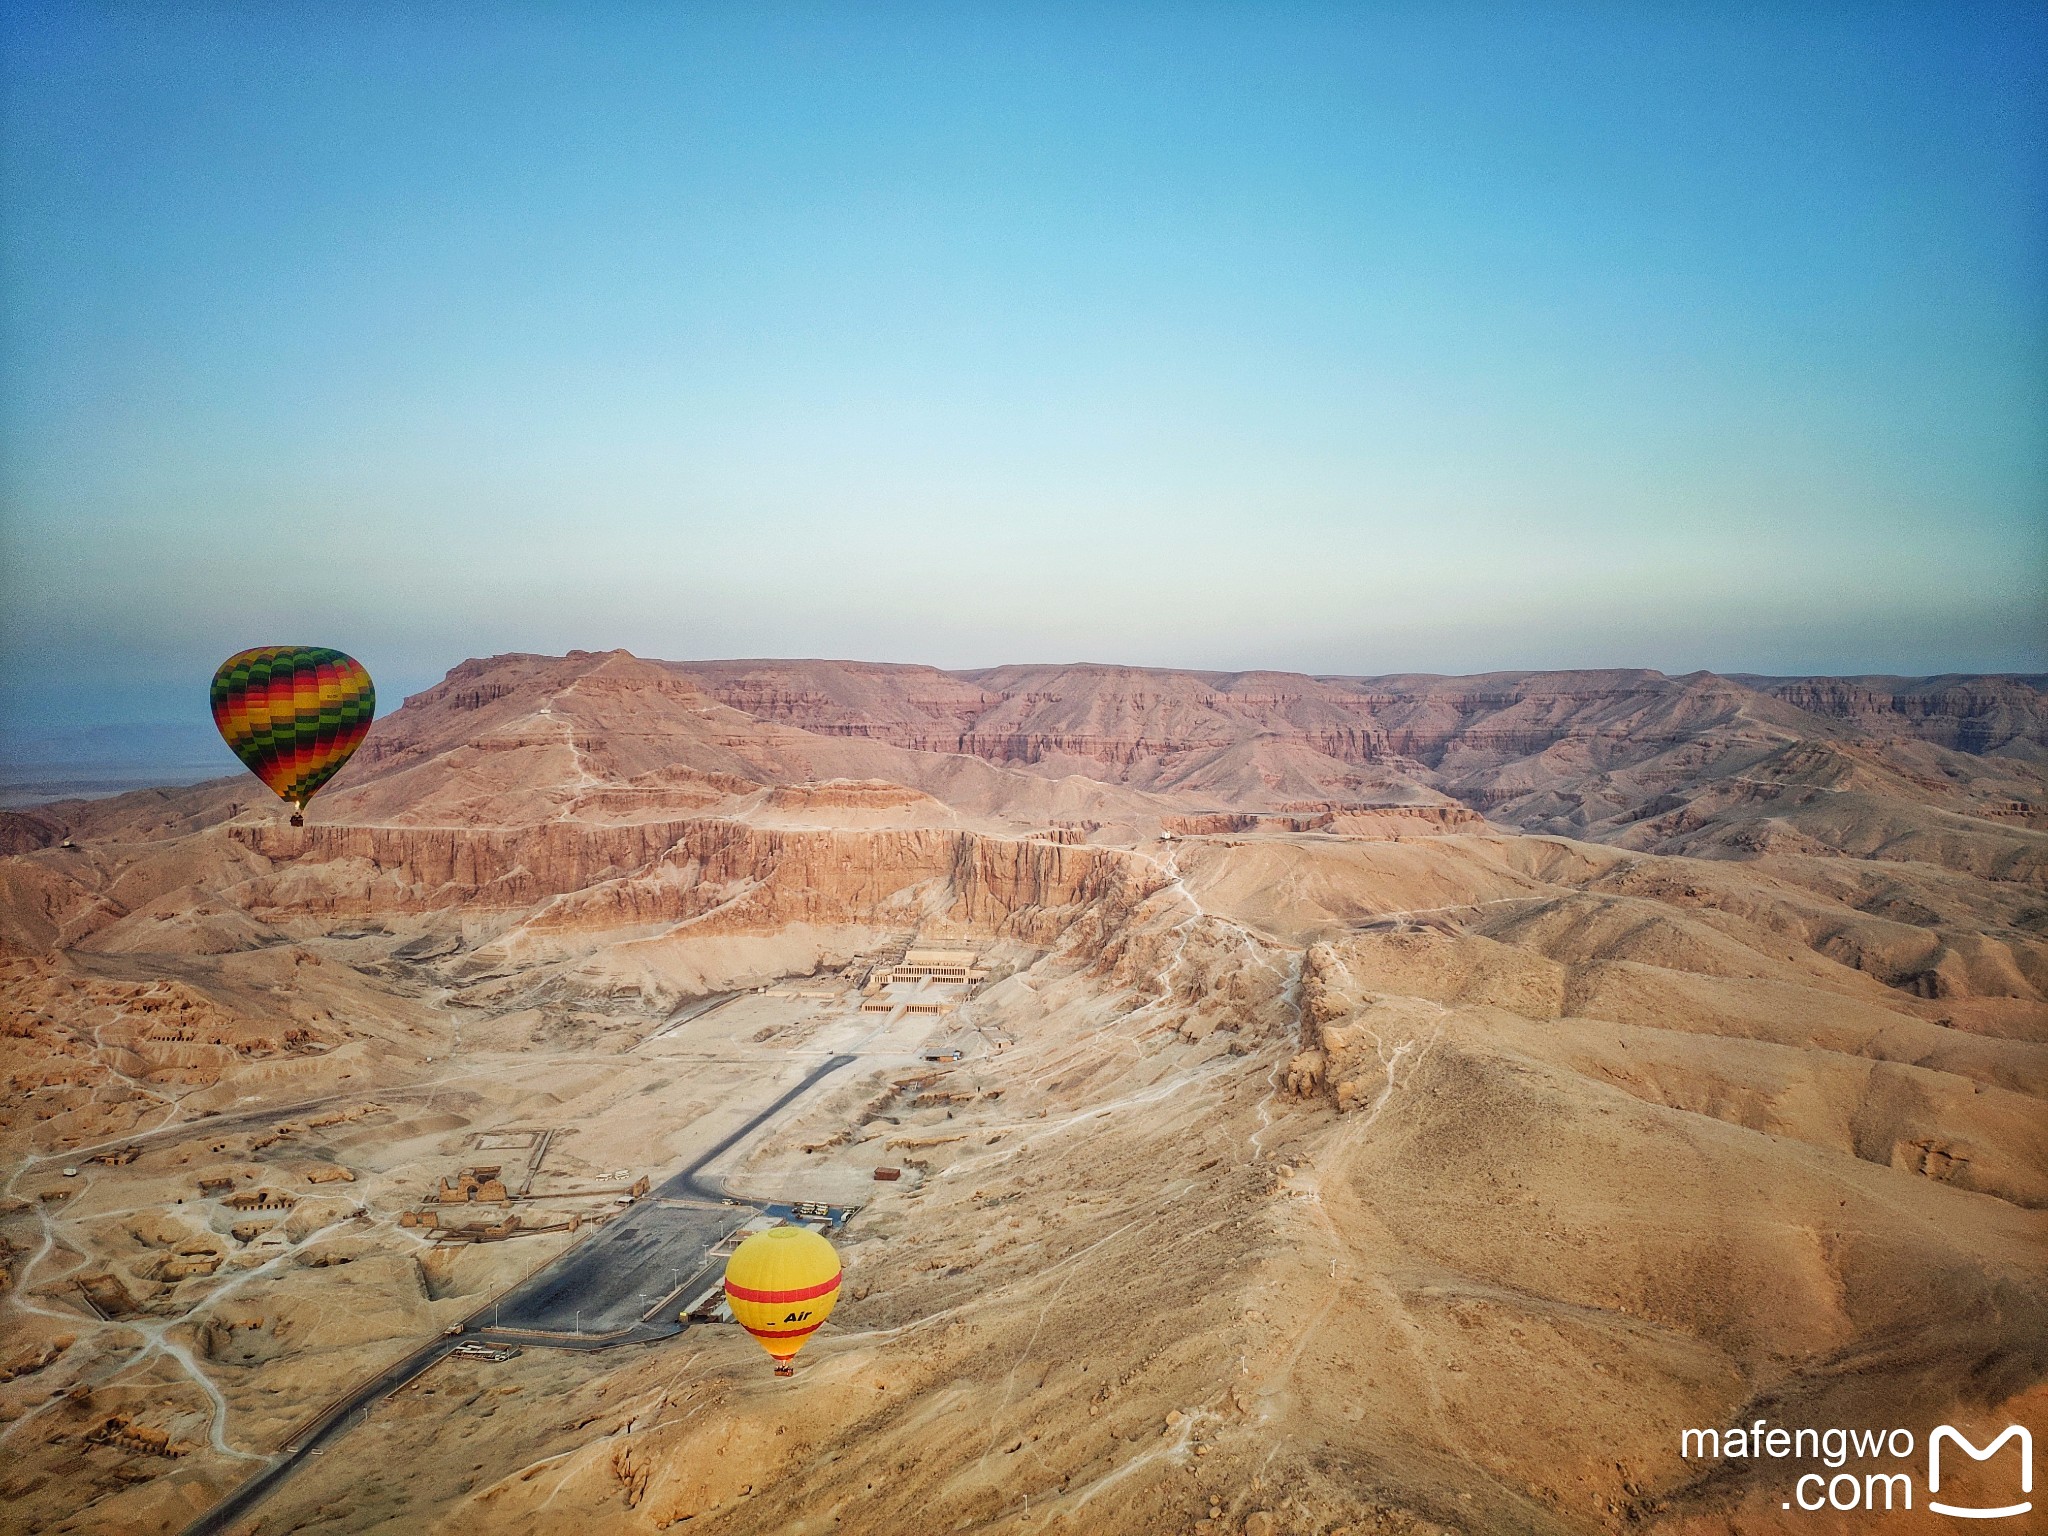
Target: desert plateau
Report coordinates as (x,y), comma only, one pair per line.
(1244,1103)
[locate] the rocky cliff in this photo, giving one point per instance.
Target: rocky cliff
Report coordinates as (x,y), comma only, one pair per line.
(718,876)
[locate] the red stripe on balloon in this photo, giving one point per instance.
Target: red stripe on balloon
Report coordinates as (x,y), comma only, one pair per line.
(743,1293)
(783,1333)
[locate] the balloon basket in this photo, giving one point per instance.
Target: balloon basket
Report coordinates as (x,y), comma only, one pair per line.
(784,1368)
(298,820)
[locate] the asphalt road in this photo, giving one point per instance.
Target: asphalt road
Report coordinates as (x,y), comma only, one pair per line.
(650,1252)
(339,1417)
(589,1297)
(691,1180)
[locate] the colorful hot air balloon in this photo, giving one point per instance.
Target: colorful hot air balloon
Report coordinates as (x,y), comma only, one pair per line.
(293,714)
(781,1284)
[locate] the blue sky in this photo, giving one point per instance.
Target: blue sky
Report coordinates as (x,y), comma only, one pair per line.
(1341,338)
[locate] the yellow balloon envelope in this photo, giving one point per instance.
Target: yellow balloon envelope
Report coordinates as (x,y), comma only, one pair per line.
(781,1284)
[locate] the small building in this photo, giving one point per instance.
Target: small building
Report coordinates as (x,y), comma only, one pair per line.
(888,1175)
(215,1183)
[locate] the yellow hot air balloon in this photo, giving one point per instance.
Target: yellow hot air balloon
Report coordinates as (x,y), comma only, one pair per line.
(781,1284)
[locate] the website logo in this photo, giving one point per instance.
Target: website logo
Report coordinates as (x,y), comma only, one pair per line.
(1972,1512)
(1854,1475)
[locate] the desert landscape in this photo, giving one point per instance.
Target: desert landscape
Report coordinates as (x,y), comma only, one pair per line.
(1243,1103)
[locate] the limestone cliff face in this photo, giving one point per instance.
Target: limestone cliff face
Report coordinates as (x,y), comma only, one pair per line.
(1975,714)
(421,869)
(1032,888)
(716,875)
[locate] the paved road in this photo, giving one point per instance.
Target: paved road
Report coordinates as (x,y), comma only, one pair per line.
(604,1280)
(339,1418)
(691,1180)
(649,1253)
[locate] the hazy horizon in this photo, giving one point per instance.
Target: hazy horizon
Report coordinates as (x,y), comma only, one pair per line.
(1414,340)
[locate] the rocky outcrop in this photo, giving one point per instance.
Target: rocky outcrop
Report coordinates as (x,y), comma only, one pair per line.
(26,831)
